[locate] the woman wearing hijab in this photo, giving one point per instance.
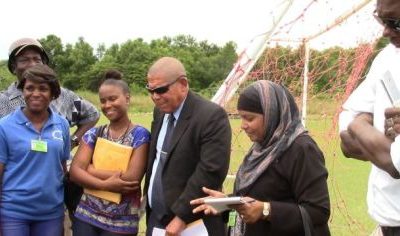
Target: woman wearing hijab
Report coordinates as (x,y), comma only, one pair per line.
(282,179)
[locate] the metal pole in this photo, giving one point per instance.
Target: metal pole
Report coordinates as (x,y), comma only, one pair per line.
(305,82)
(247,60)
(340,19)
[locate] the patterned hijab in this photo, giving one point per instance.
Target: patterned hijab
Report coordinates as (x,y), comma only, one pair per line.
(283,126)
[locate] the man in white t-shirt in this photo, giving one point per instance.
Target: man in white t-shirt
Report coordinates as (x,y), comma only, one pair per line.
(369,125)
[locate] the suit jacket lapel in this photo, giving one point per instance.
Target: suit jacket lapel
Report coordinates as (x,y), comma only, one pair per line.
(183,122)
(155,131)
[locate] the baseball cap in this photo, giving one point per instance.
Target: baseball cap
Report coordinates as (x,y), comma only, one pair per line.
(19,45)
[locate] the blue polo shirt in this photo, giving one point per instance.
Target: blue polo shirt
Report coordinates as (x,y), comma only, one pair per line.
(32,180)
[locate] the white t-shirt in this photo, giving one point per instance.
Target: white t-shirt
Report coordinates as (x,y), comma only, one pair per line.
(383,195)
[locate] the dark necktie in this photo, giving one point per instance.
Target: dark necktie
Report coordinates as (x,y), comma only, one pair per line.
(157,195)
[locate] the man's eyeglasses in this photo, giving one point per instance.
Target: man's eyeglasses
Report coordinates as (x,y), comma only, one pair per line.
(393,24)
(163,89)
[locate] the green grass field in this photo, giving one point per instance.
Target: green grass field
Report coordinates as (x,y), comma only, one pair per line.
(347,178)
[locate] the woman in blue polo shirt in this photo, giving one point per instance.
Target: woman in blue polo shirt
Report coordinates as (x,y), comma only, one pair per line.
(34,146)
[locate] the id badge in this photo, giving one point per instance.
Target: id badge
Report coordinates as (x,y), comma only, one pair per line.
(232,218)
(39,145)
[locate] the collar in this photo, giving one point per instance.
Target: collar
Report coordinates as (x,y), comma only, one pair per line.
(178,111)
(20,117)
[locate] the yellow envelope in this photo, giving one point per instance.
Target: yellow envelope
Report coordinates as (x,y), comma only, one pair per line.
(111,156)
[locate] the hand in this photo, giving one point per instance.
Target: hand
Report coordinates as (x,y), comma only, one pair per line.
(392,122)
(366,117)
(250,211)
(360,121)
(175,227)
(350,144)
(207,209)
(117,185)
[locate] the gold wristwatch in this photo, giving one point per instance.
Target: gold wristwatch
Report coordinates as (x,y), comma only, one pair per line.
(266,210)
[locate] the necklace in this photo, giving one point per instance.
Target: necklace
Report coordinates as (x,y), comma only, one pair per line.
(119,139)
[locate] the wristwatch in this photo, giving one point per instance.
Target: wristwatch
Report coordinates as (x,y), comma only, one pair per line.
(266,210)
(74,141)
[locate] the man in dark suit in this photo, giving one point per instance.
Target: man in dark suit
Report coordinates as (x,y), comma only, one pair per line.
(198,134)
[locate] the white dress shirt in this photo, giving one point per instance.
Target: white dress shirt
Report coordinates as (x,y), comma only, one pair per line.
(383,195)
(160,141)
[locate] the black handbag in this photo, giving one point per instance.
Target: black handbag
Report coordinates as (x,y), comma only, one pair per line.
(72,194)
(73,191)
(307,223)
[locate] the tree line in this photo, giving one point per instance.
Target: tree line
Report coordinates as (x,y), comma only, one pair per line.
(80,66)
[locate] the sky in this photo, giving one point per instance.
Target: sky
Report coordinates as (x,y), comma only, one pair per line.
(217,21)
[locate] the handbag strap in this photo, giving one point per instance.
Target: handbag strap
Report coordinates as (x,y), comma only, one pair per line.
(306,221)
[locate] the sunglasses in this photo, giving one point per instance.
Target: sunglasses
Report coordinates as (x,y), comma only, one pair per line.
(391,23)
(163,89)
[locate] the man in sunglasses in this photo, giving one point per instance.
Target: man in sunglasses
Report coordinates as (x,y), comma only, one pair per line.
(369,124)
(190,148)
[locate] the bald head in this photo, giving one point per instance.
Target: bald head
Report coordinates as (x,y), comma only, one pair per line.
(168,67)
(167,84)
